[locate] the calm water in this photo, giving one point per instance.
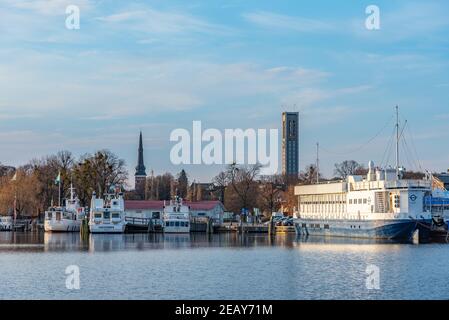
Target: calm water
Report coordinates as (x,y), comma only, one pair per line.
(227,266)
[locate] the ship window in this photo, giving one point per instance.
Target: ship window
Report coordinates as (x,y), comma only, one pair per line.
(106,215)
(115,215)
(326,226)
(177,224)
(303,225)
(365,201)
(350,201)
(360,201)
(167,223)
(97,215)
(187,224)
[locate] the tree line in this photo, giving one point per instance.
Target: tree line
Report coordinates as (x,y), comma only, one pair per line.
(33,188)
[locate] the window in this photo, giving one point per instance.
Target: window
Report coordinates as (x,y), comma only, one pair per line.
(167,223)
(106,215)
(360,201)
(156,215)
(365,201)
(350,201)
(115,215)
(177,224)
(326,226)
(397,201)
(97,215)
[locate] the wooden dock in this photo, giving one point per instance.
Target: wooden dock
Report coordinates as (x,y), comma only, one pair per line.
(285,229)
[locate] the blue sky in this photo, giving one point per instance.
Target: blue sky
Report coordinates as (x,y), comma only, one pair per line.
(158,65)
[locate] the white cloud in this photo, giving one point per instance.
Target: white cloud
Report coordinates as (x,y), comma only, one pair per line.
(285,22)
(49,7)
(150,20)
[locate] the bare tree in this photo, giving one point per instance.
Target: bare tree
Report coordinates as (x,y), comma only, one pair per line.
(241,180)
(270,189)
(309,175)
(219,183)
(347,168)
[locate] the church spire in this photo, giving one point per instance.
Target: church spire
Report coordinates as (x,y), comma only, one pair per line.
(140,169)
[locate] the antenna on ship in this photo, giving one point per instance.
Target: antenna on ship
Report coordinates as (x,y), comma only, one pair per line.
(397,142)
(317,162)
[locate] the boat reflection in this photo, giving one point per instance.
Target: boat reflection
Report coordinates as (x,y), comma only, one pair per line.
(39,241)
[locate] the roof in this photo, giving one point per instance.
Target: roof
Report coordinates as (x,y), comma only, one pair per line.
(159,204)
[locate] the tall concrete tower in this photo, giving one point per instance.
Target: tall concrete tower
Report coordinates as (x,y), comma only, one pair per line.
(140,177)
(290,143)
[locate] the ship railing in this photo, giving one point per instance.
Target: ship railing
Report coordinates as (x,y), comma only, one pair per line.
(138,220)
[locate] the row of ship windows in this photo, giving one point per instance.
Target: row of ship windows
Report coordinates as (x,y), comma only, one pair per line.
(326,226)
(323,202)
(359,201)
(176,224)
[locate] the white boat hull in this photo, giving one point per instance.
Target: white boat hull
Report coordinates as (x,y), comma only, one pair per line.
(107,227)
(177,229)
(62,226)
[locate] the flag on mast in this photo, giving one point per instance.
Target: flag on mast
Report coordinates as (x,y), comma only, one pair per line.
(58,178)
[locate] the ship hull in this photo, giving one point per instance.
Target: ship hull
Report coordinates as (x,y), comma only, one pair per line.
(107,228)
(398,229)
(62,226)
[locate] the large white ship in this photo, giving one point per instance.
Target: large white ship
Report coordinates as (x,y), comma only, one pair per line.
(380,205)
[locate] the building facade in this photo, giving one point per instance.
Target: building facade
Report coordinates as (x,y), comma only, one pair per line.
(155,208)
(140,177)
(290,143)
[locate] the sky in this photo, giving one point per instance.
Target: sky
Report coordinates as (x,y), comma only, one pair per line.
(156,66)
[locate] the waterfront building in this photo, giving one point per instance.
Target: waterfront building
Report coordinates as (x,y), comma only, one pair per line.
(199,191)
(290,143)
(140,177)
(154,209)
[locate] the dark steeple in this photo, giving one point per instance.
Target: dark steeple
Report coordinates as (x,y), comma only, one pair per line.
(140,169)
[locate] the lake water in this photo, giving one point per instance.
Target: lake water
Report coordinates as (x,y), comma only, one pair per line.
(220,266)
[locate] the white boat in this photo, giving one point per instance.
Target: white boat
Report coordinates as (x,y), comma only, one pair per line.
(67,218)
(6,223)
(380,205)
(176,217)
(107,215)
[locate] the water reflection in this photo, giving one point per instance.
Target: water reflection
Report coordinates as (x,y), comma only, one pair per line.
(39,241)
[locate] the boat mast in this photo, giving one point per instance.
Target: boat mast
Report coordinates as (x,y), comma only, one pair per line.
(317,162)
(397,142)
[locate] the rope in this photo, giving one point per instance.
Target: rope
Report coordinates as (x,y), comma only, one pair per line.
(362,145)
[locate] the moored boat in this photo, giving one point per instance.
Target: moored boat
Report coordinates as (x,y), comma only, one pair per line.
(176,217)
(107,215)
(66,218)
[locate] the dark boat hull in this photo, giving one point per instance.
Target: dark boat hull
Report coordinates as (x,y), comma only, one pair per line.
(398,229)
